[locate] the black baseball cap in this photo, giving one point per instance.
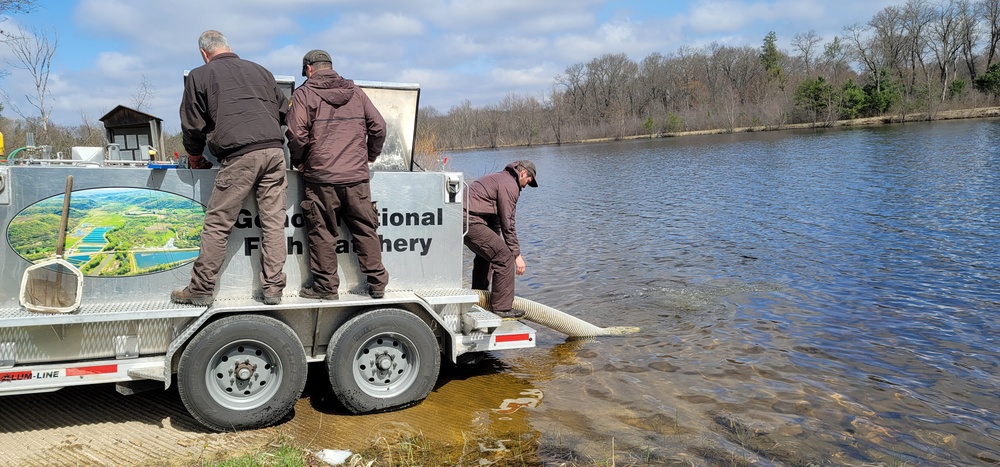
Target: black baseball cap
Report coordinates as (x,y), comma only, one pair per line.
(315,56)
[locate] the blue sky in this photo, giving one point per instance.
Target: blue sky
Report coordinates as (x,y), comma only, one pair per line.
(456,50)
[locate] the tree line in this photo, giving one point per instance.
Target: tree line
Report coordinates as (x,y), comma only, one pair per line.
(918,57)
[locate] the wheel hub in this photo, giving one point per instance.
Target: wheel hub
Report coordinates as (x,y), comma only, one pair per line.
(242,371)
(384,361)
(245,370)
(384,364)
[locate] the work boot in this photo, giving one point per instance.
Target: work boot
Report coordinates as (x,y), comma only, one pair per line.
(309,292)
(510,314)
(376,293)
(272,300)
(185,296)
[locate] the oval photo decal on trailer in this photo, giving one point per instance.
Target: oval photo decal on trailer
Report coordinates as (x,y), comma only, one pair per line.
(112,232)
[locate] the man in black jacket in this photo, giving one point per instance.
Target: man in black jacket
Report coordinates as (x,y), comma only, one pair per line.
(235,108)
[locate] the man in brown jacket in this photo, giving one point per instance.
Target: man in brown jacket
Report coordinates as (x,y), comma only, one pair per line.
(493,233)
(334,133)
(235,108)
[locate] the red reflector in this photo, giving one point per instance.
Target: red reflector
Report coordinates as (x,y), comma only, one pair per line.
(514,337)
(92,370)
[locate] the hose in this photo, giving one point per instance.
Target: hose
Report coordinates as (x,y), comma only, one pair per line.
(557,320)
(10,157)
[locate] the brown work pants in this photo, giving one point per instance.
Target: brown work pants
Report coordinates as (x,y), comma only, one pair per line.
(492,255)
(326,204)
(263,173)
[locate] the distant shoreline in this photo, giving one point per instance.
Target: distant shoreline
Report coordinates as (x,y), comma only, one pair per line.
(979,112)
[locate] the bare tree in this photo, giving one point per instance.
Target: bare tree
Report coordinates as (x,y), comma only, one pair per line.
(463,125)
(574,86)
(557,113)
(33,52)
(12,7)
(527,116)
(16,6)
(654,82)
(743,70)
(806,44)
(968,34)
(989,10)
(879,44)
(835,61)
(492,119)
(945,42)
(141,94)
(90,132)
(915,17)
(690,84)
(611,77)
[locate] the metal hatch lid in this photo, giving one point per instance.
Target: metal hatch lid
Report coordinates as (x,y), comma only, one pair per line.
(387,85)
(398,104)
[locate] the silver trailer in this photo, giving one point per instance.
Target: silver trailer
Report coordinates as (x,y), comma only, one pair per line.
(98,310)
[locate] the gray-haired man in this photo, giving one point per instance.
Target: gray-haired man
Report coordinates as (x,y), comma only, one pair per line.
(235,108)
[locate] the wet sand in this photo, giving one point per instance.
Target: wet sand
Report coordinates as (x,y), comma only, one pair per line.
(96,425)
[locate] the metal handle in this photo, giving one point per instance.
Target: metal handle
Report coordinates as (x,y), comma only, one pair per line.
(465,208)
(64,220)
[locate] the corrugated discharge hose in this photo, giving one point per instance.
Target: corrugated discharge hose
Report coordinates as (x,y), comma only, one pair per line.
(557,320)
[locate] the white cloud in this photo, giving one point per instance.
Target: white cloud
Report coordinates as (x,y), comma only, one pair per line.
(710,17)
(114,65)
(535,77)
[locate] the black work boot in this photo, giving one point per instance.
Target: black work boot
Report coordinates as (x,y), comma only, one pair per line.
(510,314)
(310,292)
(185,296)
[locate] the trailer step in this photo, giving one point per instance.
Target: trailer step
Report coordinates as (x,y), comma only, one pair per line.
(479,319)
(154,372)
(447,296)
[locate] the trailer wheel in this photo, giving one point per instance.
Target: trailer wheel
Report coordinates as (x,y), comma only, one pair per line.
(383,359)
(241,372)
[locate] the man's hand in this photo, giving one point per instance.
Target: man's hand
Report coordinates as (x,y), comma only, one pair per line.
(520,265)
(198,162)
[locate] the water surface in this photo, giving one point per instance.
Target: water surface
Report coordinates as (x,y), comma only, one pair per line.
(808,296)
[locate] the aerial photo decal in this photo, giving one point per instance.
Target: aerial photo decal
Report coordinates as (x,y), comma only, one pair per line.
(112,232)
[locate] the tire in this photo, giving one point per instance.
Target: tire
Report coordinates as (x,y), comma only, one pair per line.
(383,359)
(242,372)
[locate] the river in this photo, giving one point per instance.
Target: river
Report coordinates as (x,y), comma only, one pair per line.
(805,297)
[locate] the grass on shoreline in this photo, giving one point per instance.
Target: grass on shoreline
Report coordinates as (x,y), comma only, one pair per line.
(404,451)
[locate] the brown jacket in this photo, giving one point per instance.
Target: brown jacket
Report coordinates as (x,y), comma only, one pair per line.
(493,197)
(233,106)
(334,130)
